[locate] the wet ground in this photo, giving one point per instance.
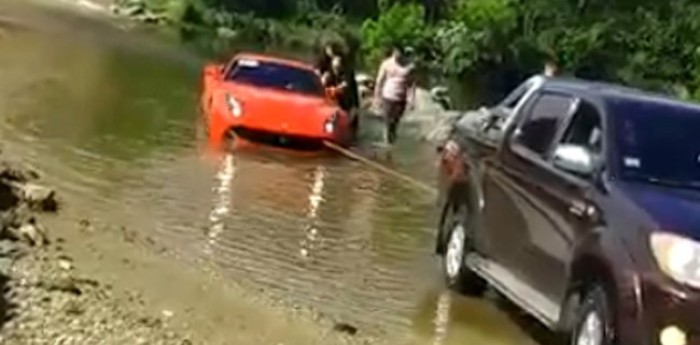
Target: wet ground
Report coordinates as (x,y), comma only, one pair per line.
(110,117)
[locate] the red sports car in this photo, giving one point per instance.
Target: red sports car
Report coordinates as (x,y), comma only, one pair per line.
(271,100)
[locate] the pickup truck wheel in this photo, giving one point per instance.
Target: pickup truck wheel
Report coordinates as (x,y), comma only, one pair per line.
(593,321)
(459,243)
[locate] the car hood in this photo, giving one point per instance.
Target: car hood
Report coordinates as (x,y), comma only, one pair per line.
(280,103)
(673,210)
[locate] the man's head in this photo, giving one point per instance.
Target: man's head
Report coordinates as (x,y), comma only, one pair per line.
(331,49)
(551,68)
(396,52)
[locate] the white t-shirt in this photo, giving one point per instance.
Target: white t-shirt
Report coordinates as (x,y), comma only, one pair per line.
(397,79)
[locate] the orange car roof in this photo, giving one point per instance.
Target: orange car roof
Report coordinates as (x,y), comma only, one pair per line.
(275,59)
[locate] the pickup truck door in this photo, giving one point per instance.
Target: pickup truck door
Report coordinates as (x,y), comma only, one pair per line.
(522,227)
(565,198)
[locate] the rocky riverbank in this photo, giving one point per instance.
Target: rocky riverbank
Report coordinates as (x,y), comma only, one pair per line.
(44,299)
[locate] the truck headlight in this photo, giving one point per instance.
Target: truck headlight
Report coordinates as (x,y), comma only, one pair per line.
(234,106)
(678,257)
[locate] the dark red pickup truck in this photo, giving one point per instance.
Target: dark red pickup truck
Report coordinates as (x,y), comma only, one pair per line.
(580,202)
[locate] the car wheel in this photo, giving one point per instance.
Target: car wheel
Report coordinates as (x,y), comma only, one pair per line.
(458,244)
(593,323)
(355,124)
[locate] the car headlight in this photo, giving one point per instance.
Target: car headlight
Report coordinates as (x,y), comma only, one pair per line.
(234,106)
(329,125)
(678,257)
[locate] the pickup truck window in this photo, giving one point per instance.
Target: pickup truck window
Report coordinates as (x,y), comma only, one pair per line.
(542,120)
(657,142)
(585,128)
(514,97)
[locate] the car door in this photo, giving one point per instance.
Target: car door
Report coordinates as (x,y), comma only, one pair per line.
(518,225)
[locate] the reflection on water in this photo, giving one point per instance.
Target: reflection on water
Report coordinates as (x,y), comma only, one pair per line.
(223,199)
(112,124)
(442,318)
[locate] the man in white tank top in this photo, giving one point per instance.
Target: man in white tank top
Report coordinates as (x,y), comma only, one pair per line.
(394,90)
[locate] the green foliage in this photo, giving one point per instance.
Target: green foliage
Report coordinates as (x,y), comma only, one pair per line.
(646,43)
(397,24)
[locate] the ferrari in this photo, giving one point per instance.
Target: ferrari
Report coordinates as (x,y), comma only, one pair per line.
(271,100)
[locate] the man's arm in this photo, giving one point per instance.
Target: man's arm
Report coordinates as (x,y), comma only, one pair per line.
(411,94)
(379,83)
(326,79)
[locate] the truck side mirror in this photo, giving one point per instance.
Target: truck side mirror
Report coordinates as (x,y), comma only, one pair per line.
(575,159)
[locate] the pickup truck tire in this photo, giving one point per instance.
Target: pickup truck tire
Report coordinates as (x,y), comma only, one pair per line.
(593,322)
(458,237)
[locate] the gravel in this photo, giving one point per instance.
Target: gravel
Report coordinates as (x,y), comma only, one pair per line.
(43,300)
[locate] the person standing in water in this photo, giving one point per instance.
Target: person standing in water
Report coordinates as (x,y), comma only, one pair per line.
(335,78)
(341,78)
(394,91)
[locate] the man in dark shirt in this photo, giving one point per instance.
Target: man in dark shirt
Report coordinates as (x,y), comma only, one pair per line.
(325,58)
(341,78)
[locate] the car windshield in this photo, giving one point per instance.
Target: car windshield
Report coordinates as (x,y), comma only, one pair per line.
(276,76)
(656,142)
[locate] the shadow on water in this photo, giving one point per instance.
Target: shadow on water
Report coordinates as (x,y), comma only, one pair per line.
(533,328)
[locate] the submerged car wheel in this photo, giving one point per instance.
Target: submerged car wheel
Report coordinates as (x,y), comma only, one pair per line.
(228,142)
(355,125)
(458,244)
(593,323)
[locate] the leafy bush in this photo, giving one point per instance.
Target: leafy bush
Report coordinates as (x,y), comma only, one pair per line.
(398,24)
(646,43)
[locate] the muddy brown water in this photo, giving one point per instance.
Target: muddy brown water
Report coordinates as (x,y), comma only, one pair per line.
(109,118)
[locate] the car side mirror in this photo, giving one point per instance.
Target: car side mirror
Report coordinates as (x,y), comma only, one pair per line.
(575,159)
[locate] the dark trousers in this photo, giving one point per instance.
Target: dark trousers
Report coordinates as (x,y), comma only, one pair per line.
(393,112)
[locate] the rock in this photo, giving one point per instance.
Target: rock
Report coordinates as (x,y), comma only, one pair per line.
(65,263)
(8,197)
(11,172)
(150,322)
(33,233)
(85,226)
(440,95)
(39,197)
(5,266)
(7,248)
(64,284)
(129,236)
(87,281)
(17,216)
(74,308)
(345,328)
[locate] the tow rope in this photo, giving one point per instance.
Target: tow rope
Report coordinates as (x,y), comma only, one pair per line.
(354,156)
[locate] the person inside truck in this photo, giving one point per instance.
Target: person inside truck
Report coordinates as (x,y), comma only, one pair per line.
(551,68)
(586,130)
